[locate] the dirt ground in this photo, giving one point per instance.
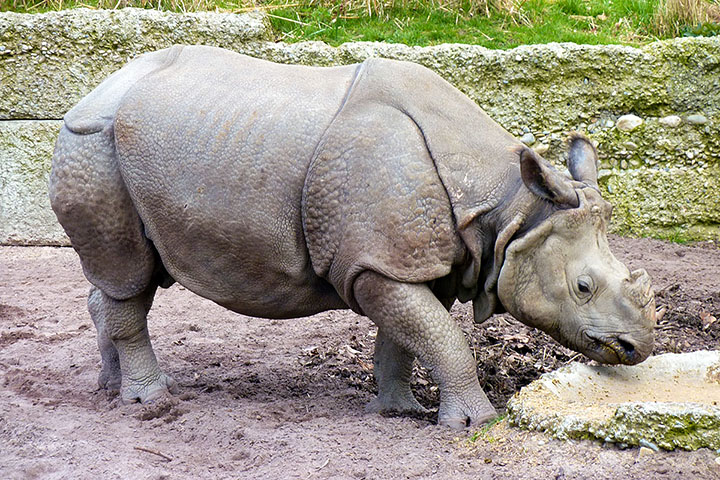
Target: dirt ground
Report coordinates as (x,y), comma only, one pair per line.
(284,399)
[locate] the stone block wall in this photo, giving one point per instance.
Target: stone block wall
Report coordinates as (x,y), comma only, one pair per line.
(653,111)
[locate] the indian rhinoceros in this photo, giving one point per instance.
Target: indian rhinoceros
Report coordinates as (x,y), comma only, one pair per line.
(280,191)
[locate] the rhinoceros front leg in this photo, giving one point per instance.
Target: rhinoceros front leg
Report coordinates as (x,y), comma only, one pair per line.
(393,372)
(413,318)
(128,359)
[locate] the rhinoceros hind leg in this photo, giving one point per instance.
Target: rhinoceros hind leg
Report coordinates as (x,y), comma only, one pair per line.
(393,371)
(92,203)
(128,359)
(109,378)
(413,318)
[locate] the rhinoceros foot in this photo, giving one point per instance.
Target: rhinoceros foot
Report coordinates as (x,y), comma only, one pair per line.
(110,379)
(395,404)
(469,409)
(154,388)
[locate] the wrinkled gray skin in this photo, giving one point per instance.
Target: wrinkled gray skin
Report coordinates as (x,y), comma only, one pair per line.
(281,191)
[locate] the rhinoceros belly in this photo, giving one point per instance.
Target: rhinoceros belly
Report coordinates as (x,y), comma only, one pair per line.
(214,149)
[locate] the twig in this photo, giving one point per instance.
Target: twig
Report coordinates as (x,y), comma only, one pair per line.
(573,358)
(154,452)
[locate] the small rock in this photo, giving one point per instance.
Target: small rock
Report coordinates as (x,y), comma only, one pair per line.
(645,452)
(670,121)
(518,58)
(528,139)
(697,119)
(717,460)
(624,164)
(541,149)
(627,123)
(630,145)
(647,444)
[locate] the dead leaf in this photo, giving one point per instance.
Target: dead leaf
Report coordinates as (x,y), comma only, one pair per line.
(707,319)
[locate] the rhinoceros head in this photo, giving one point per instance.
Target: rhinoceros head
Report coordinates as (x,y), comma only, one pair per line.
(560,276)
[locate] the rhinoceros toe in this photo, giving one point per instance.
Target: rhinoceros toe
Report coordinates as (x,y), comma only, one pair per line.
(462,414)
(146,392)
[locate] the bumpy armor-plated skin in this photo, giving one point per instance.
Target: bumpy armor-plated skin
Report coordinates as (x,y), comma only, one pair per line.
(280,191)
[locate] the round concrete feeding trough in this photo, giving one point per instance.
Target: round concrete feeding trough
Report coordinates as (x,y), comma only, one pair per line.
(669,401)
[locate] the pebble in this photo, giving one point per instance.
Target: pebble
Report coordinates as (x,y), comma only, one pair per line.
(644,452)
(717,460)
(647,444)
(528,139)
(697,119)
(670,121)
(627,123)
(630,145)
(541,149)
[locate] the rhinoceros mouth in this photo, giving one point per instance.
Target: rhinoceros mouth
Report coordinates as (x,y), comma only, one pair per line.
(613,349)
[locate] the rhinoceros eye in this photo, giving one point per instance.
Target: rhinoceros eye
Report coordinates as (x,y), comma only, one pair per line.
(585,287)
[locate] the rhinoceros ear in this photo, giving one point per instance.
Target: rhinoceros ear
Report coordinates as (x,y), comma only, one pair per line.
(582,160)
(544,181)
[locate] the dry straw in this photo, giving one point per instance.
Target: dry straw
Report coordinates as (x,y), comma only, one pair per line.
(673,14)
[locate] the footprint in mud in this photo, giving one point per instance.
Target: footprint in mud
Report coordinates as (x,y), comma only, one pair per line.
(8,338)
(10,312)
(168,409)
(12,315)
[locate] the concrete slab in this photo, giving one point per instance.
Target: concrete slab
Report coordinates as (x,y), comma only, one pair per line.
(669,401)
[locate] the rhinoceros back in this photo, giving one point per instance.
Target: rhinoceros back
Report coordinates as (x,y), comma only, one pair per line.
(214,148)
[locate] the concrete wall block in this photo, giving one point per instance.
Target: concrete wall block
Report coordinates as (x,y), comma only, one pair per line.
(25,215)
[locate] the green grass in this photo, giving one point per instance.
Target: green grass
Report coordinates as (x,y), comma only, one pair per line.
(540,22)
(490,23)
(483,432)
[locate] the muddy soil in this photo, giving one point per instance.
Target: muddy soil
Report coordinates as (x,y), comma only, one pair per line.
(284,399)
